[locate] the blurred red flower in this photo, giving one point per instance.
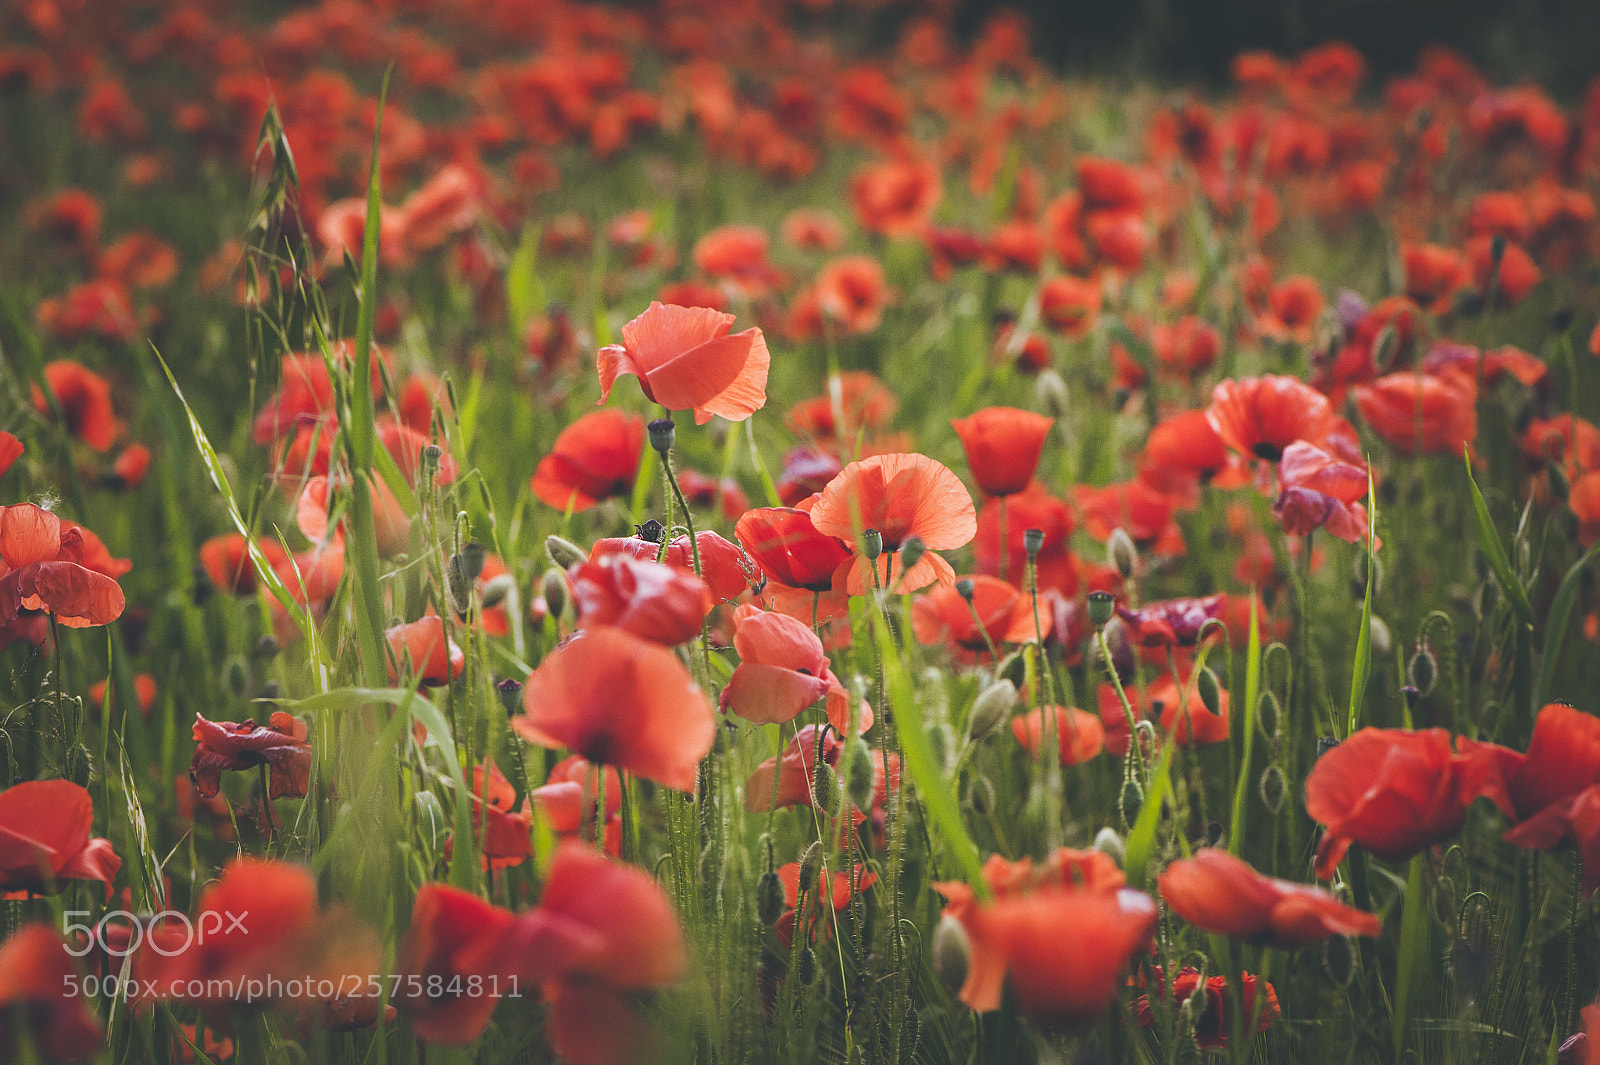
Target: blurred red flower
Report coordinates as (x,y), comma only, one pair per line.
(1419,413)
(1211,1026)
(1003,446)
(594,458)
(454,936)
(85,400)
(36,972)
(44,839)
(1262,416)
(723,566)
(280,745)
(419,648)
(1216,892)
(647,598)
(685,359)
(1080,735)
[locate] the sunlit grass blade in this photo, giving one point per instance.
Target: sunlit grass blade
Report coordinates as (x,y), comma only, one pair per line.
(1252,694)
(1361,671)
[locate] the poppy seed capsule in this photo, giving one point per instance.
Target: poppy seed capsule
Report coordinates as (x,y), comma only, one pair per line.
(1423,670)
(663,434)
(510,692)
(564,553)
(964,588)
(871,544)
(990,708)
(911,552)
(1101,606)
(952,953)
(1121,553)
(1032,543)
(430,459)
(769,899)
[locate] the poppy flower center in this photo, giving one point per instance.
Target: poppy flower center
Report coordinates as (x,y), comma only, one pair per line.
(1268,450)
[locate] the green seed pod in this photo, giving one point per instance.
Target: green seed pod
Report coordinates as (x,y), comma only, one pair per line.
(1121,553)
(871,544)
(663,434)
(1210,691)
(806,966)
(1274,789)
(564,553)
(1033,543)
(1131,800)
(510,692)
(860,774)
(911,552)
(1339,959)
(1102,605)
(267,647)
(769,899)
(952,953)
(990,708)
(1423,669)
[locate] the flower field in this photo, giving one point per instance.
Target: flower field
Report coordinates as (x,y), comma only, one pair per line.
(744,532)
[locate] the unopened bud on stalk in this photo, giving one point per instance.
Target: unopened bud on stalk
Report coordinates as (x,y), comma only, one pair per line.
(1051,392)
(1131,800)
(911,552)
(1107,841)
(1032,543)
(810,866)
(236,676)
(980,795)
(510,692)
(1121,553)
(860,775)
(662,435)
(458,586)
(952,953)
(769,898)
(553,589)
(496,589)
(564,553)
(1210,691)
(430,459)
(806,966)
(470,559)
(1385,346)
(1273,789)
(990,708)
(267,647)
(1013,667)
(1269,715)
(871,544)
(1101,607)
(964,588)
(1423,669)
(825,789)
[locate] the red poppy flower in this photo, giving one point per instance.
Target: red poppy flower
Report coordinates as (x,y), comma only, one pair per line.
(737,255)
(900,496)
(99,308)
(1292,309)
(1573,819)
(1498,363)
(787,779)
(306,393)
(419,648)
(1183,452)
(85,399)
(280,745)
(226,561)
(36,972)
(1320,491)
(685,359)
(865,402)
(836,888)
(723,566)
(1187,347)
(896,198)
(1261,416)
(406,444)
(1518,272)
(1109,184)
(144,692)
(619,700)
(1420,414)
(45,826)
(1583,497)
(454,936)
(645,597)
(129,468)
(1396,792)
(852,292)
(1185,717)
(1080,736)
(1120,238)
(446,204)
(787,547)
(1003,446)
(1031,509)
(703,491)
(806,472)
(503,829)
(812,228)
(1070,304)
(1211,1027)
(1064,949)
(782,670)
(1006,614)
(55,566)
(1134,507)
(1434,274)
(1171,622)
(391,524)
(1216,892)
(10,451)
(594,458)
(569,800)
(1563,758)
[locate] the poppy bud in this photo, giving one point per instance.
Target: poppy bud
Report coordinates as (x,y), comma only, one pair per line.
(1120,552)
(1423,669)
(1381,640)
(871,544)
(860,775)
(1013,667)
(990,708)
(662,435)
(510,692)
(911,552)
(1444,900)
(495,590)
(564,553)
(769,898)
(1131,800)
(825,789)
(980,795)
(470,559)
(1385,346)
(810,865)
(952,953)
(271,690)
(1274,789)
(1269,715)
(964,588)
(806,966)
(1195,1004)
(458,587)
(236,676)
(1032,542)
(718,430)
(1210,693)
(553,589)
(1339,960)
(1108,842)
(267,647)
(1051,392)
(1101,607)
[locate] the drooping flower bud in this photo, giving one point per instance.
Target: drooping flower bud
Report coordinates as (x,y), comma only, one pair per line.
(1423,669)
(860,774)
(564,553)
(1051,392)
(769,898)
(911,552)
(1274,789)
(1210,691)
(1131,800)
(810,865)
(1121,553)
(553,589)
(990,708)
(495,590)
(952,953)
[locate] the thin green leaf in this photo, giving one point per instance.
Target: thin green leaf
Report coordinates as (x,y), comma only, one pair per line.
(1362,668)
(1142,838)
(1494,551)
(1555,626)
(1252,694)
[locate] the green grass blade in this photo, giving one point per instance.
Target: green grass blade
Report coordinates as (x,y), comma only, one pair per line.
(1142,837)
(1362,668)
(1495,553)
(1555,626)
(1252,694)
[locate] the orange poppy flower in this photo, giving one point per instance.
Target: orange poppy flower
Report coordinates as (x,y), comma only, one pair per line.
(52,565)
(503,829)
(789,550)
(1031,509)
(448,203)
(454,936)
(419,649)
(594,458)
(45,826)
(1185,718)
(391,524)
(1261,416)
(1003,445)
(569,800)
(723,566)
(1434,274)
(783,670)
(896,197)
(737,256)
(1079,735)
(852,292)
(865,402)
(1070,304)
(619,700)
(1499,213)
(85,400)
(685,359)
(1420,414)
(647,598)
(1133,506)
(281,745)
(899,496)
(1216,892)
(1004,613)
(35,972)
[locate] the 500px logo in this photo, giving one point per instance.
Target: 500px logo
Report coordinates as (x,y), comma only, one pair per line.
(171,933)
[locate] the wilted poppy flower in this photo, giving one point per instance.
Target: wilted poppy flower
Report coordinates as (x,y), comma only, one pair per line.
(226,561)
(899,496)
(419,648)
(1395,792)
(1004,615)
(832,889)
(1321,491)
(1003,446)
(280,745)
(645,597)
(53,566)
(685,359)
(1079,735)
(85,399)
(594,458)
(723,566)
(454,936)
(896,197)
(1211,1027)
(1261,416)
(1064,949)
(36,973)
(45,826)
(1216,892)
(1419,413)
(788,549)
(619,700)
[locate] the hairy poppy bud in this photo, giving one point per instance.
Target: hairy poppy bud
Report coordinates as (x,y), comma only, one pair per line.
(662,434)
(1051,392)
(1120,552)
(860,775)
(1385,346)
(911,552)
(1423,669)
(1108,842)
(952,953)
(990,708)
(825,789)
(1210,691)
(1131,800)
(470,559)
(269,691)
(871,544)
(457,586)
(1339,960)
(553,589)
(806,966)
(1274,789)
(1033,542)
(769,898)
(1269,715)
(495,590)
(564,553)
(510,692)
(1101,606)
(236,676)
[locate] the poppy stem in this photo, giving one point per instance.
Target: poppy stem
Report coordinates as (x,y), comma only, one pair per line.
(1005,548)
(1122,697)
(266,799)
